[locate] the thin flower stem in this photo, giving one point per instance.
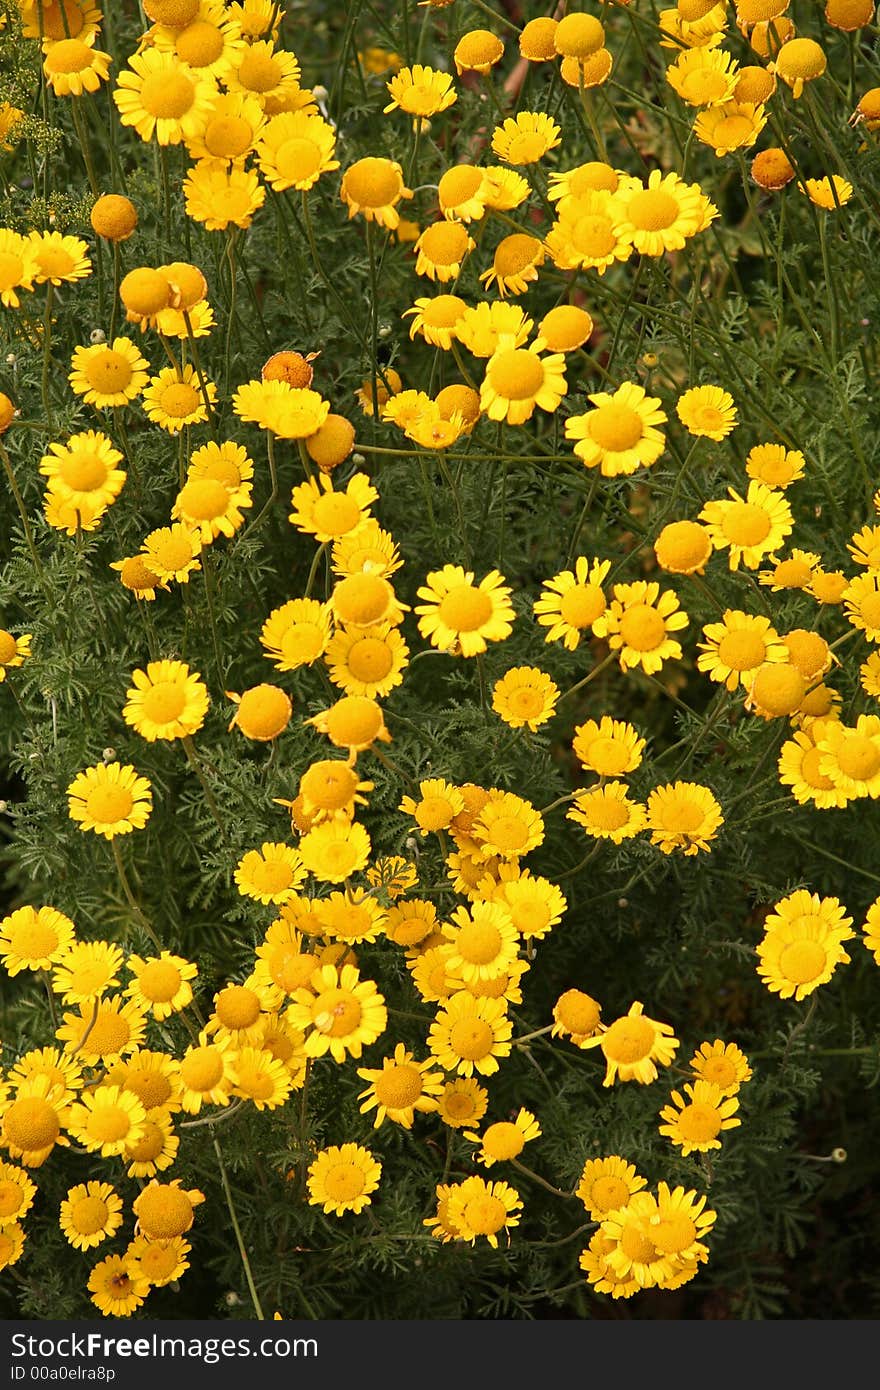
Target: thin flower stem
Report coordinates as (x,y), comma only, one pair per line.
(81,125)
(218,1119)
(233,1216)
(203,381)
(527,1037)
(313,570)
(596,671)
(799,1028)
(47,357)
(542,1182)
(560,801)
(189,749)
(92,1021)
(19,502)
(131,899)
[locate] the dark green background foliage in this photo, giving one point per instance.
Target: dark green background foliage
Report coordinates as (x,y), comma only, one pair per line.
(795,1236)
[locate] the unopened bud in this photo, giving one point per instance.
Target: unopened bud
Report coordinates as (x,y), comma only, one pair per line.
(108,755)
(97,336)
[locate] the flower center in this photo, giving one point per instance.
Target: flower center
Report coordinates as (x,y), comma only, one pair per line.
(298,158)
(615,427)
(642,627)
(609,1193)
(858,757)
(329,785)
(465,608)
(164,1213)
(593,236)
(83,472)
(503,1140)
(485,1215)
(779,689)
(150,1087)
(204,499)
(459,184)
(578,1013)
(237,1007)
(108,372)
(374,183)
(109,803)
(652,210)
(682,817)
(526,147)
(733,130)
(743,523)
(34,940)
(202,1069)
(200,44)
(11,1198)
(674,1233)
(31,1124)
(433,813)
(637,1246)
(164,702)
(478,942)
(810,771)
(742,650)
(508,834)
(719,1070)
(336,1013)
(517,374)
(606,812)
(471,1038)
(89,1215)
(398,1087)
(802,961)
(291,969)
(302,643)
(109,1123)
(344,1182)
(110,1034)
(70,55)
(179,400)
(628,1040)
(228,137)
(699,1123)
(159,981)
(259,72)
(167,95)
(272,875)
(362,599)
(526,701)
(370,660)
(582,605)
(608,756)
(8,646)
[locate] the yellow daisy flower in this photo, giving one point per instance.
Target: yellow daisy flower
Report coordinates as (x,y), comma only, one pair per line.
(460,615)
(694,1120)
(104,1032)
(73,66)
(775,465)
(33,938)
(485,329)
(519,379)
(221,197)
(637,625)
(342,1178)
(505,1139)
(572,601)
(633,1045)
(525,697)
(802,944)
(606,1184)
(479,1208)
(588,232)
(707,412)
(166,701)
(606,813)
(162,98)
(367,661)
(420,91)
(110,799)
(16,1194)
(683,815)
(270,874)
(340,1013)
(106,1119)
(107,375)
(60,260)
(515,264)
(526,138)
(663,214)
(737,646)
(609,747)
(374,186)
(117,1287)
(470,1034)
(850,756)
(156,1149)
(399,1088)
(751,527)
(161,983)
(86,970)
(722,1064)
(159,1262)
(297,633)
(441,249)
(90,1213)
(800,760)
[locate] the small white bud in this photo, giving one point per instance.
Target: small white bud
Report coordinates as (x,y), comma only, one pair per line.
(108,755)
(97,336)
(838,1155)
(11,359)
(358,459)
(320,93)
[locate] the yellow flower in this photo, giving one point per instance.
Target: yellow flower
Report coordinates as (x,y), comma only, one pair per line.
(620,434)
(722,1064)
(508,827)
(774,465)
(737,646)
(564,329)
(166,1210)
(606,1184)
(90,1213)
(707,412)
(479,1208)
(572,601)
(751,527)
(683,815)
(441,249)
(607,813)
(829,192)
(374,186)
(206,1073)
(326,513)
(588,231)
(734,125)
(850,756)
(106,375)
(83,472)
(106,1119)
(159,1262)
(438,805)
(166,701)
(576,1015)
(16,1194)
(799,60)
(14,651)
(86,970)
(505,1139)
(802,944)
(485,329)
(484,943)
(230,130)
(436,319)
(220,197)
(339,1012)
(73,67)
(60,260)
(172,552)
(335,850)
(399,1088)
(800,760)
(295,149)
(297,633)
(663,214)
(117,1286)
(703,76)
(637,624)
(610,748)
(463,616)
(477,51)
(515,264)
(269,74)
(694,1120)
(421,91)
(33,938)
(526,138)
(470,1034)
(161,983)
(162,97)
(519,379)
(270,874)
(342,1178)
(683,547)
(103,1032)
(209,43)
(110,799)
(176,397)
(525,697)
(633,1045)
(462,1102)
(367,661)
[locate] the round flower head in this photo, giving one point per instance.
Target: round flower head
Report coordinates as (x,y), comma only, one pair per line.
(800,761)
(703,76)
(374,186)
(610,747)
(735,125)
(515,264)
(619,435)
(587,232)
(485,328)
(166,1210)
(386,384)
(159,1262)
(463,616)
(271,75)
(750,527)
(707,411)
(683,816)
(683,547)
(367,661)
(161,984)
(505,1139)
(230,130)
(525,697)
(484,943)
(607,1184)
(754,84)
(505,189)
(774,465)
(576,1016)
(83,472)
(326,513)
(86,970)
(633,1045)
(342,1178)
(469,1034)
(172,552)
(60,260)
(110,799)
(462,1102)
(478,1208)
(421,91)
(438,804)
(571,602)
(850,756)
(105,1119)
(694,1120)
(297,633)
(829,192)
(436,319)
(518,380)
(802,944)
(107,375)
(775,689)
(772,169)
(17,267)
(117,1287)
(263,712)
(849,15)
(477,51)
(737,647)
(564,329)
(166,701)
(536,40)
(222,197)
(606,812)
(399,1088)
(331,442)
(73,67)
(799,61)
(722,1064)
(637,624)
(295,148)
(271,874)
(176,397)
(104,1032)
(662,215)
(13,651)
(163,98)
(339,1012)
(441,249)
(526,138)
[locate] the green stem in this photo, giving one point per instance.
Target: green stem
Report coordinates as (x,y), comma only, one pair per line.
(19,502)
(246,1264)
